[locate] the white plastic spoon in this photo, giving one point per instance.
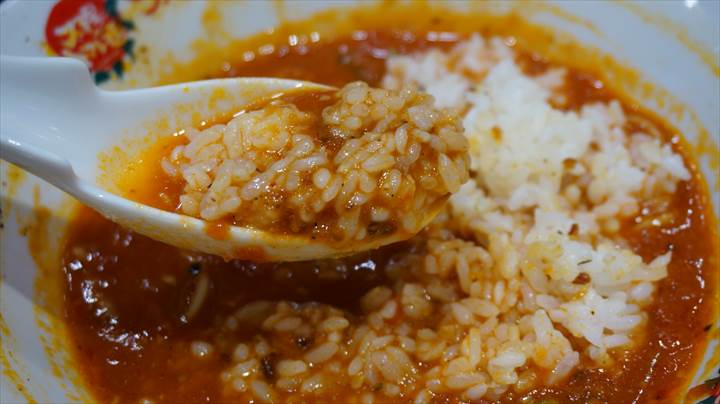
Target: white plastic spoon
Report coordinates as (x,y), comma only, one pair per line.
(54,122)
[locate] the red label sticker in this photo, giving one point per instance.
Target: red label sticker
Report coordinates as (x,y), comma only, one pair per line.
(90,30)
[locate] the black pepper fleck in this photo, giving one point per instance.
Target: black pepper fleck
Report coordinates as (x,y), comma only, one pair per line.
(267,363)
(303,342)
(194,269)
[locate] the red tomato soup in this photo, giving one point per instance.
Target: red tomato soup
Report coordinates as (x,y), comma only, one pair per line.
(575,265)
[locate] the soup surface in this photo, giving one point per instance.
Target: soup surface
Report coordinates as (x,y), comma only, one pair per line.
(499,299)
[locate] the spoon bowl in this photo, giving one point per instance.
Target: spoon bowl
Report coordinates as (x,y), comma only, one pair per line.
(54,123)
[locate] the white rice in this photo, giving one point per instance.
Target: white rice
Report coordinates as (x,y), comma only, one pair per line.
(271,168)
(540,280)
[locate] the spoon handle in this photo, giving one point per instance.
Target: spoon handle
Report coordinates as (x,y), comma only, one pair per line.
(25,142)
(40,162)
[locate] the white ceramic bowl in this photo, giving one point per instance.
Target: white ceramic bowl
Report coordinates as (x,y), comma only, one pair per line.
(674,45)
